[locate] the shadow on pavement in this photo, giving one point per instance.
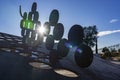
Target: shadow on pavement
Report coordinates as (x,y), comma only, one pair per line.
(16,67)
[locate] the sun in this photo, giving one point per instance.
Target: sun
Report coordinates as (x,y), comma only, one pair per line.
(41,30)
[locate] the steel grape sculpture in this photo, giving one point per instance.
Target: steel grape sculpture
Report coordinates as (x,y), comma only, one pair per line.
(72,48)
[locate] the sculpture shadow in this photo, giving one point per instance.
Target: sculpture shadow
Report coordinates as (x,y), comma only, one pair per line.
(15,67)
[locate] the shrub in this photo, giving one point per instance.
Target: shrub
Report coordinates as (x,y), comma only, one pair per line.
(106,53)
(114,54)
(105,49)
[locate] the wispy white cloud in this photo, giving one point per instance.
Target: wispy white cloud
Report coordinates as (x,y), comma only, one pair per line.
(103,33)
(114,20)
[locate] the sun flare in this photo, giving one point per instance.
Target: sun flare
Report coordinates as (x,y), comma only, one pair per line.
(41,30)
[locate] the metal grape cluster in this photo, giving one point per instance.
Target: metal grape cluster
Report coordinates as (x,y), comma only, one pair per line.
(30,26)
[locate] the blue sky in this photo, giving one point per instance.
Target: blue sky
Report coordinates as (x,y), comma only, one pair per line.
(105,14)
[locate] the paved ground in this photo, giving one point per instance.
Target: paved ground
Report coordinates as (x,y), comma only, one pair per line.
(100,69)
(104,70)
(15,67)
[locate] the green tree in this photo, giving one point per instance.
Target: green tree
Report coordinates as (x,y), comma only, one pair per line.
(105,49)
(119,50)
(90,36)
(106,52)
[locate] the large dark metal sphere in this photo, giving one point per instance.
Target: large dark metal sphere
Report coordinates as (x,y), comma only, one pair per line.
(49,42)
(34,7)
(76,34)
(54,17)
(62,48)
(83,56)
(58,31)
(47,28)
